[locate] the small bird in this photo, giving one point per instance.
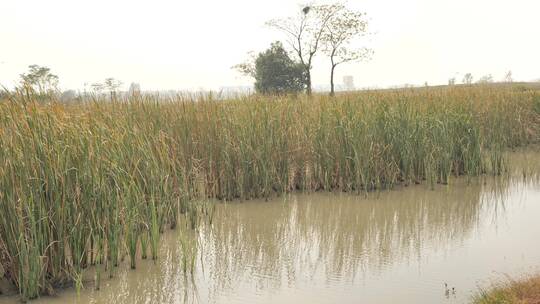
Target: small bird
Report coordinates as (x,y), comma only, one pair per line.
(306,10)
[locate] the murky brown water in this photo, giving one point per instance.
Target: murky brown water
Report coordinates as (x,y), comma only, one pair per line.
(395,246)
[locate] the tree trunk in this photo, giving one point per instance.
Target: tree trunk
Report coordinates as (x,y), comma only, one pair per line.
(332,93)
(308,82)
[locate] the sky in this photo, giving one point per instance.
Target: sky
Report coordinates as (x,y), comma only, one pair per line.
(192,45)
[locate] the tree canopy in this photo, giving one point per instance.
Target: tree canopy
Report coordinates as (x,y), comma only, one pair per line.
(342,28)
(274,71)
(304,33)
(277,73)
(40,79)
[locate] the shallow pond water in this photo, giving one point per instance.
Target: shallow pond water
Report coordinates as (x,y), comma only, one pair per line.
(398,246)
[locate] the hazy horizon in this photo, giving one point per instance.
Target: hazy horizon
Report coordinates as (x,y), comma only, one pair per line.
(167,45)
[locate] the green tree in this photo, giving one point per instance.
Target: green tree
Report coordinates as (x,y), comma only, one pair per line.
(40,79)
(274,71)
(277,73)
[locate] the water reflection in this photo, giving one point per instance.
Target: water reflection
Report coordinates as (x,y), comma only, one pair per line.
(333,237)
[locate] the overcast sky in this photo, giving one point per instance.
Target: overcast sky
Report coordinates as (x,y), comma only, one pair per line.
(185,44)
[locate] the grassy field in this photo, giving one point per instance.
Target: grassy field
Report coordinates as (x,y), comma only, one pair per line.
(524,291)
(94,182)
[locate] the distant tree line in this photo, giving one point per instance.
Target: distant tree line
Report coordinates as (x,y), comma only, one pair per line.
(468,79)
(42,84)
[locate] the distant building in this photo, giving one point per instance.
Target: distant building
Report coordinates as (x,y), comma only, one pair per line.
(68,96)
(134,89)
(348,83)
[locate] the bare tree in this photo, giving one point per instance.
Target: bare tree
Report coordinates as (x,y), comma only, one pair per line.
(97,88)
(508,77)
(304,33)
(468,78)
(341,29)
(247,68)
(452,81)
(112,85)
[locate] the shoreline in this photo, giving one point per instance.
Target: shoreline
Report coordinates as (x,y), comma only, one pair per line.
(524,290)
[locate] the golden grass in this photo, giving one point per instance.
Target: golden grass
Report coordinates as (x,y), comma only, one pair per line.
(524,291)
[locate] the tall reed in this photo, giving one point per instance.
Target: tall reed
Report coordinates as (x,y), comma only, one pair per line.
(92,182)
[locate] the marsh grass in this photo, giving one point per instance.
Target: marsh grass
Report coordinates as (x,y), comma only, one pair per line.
(523,291)
(97,181)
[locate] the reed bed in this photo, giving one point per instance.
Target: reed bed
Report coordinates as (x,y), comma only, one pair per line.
(98,181)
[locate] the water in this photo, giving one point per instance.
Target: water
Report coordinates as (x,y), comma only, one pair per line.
(394,246)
